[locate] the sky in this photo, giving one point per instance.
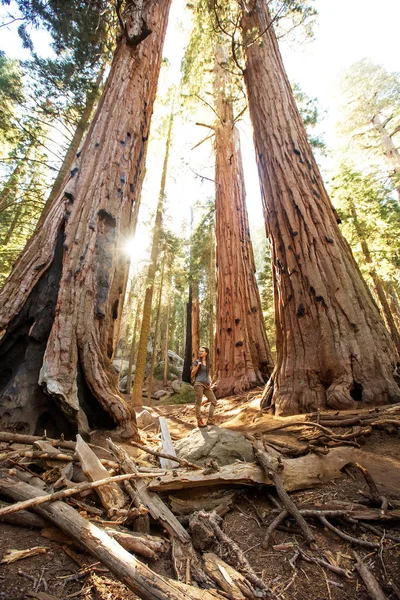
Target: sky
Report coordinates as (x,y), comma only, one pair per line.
(346,31)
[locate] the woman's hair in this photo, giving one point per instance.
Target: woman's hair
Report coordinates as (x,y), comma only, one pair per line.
(207,358)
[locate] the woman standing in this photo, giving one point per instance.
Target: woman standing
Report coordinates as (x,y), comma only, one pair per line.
(202,385)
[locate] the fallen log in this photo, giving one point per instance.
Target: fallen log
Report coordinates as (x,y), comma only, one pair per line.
(226,577)
(111,495)
(145,545)
(18,438)
(60,495)
(144,582)
(157,508)
(167,446)
(22,519)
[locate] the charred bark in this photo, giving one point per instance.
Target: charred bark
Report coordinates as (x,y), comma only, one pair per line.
(88,273)
(242,355)
(333,349)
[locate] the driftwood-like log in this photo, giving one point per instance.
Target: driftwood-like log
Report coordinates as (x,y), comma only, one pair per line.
(373,587)
(167,447)
(139,544)
(226,577)
(158,510)
(60,495)
(272,468)
(23,519)
(111,495)
(170,457)
(144,582)
(298,473)
(18,438)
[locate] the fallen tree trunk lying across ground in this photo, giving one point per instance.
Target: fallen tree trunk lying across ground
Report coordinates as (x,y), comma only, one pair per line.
(138,577)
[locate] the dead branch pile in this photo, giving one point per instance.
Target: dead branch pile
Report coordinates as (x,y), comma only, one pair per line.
(107,500)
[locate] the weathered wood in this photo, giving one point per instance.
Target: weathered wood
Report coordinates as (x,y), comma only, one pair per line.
(144,582)
(370,582)
(273,470)
(23,519)
(188,506)
(18,438)
(158,510)
(299,473)
(167,446)
(145,545)
(111,496)
(172,458)
(224,575)
(41,499)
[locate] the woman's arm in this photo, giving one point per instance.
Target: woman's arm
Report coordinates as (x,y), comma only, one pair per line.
(195,368)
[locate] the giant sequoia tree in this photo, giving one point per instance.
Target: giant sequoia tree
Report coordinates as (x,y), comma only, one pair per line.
(242,356)
(60,306)
(333,349)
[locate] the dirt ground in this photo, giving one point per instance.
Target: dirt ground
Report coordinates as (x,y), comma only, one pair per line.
(64,572)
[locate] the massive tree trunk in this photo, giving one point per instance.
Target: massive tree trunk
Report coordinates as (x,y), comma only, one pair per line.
(333,349)
(75,142)
(60,304)
(242,355)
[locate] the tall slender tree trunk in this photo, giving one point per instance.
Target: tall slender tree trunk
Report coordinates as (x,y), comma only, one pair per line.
(211,287)
(11,186)
(133,347)
(59,305)
(156,331)
(187,361)
(333,349)
(389,148)
(166,347)
(75,142)
(378,284)
(148,298)
(242,358)
(393,300)
(195,320)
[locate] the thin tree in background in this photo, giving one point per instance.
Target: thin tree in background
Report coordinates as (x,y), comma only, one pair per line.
(333,349)
(60,305)
(148,298)
(156,336)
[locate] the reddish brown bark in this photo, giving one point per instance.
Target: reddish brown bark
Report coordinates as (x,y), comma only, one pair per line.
(90,218)
(195,321)
(332,346)
(242,355)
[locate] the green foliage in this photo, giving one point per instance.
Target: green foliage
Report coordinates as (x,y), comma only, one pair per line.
(309,112)
(11,94)
(370,110)
(264,279)
(368,212)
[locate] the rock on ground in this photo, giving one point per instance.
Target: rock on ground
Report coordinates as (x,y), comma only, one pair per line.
(221,445)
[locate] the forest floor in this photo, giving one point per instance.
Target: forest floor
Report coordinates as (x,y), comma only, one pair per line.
(64,572)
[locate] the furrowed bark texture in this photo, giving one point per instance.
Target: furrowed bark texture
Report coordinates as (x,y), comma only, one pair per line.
(94,213)
(333,349)
(242,355)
